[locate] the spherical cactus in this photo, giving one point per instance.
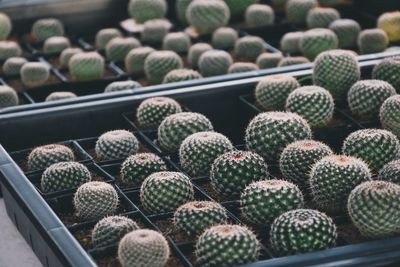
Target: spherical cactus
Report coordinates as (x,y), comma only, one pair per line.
(390,113)
(366,97)
(143,248)
(207,16)
(64,175)
(67,54)
(390,23)
(121,85)
(238,8)
(374,208)
(34,73)
(110,230)
(372,41)
(176,127)
(302,230)
(259,16)
(159,63)
(199,150)
(116,144)
(214,63)
(56,44)
(5,26)
(12,66)
(144,10)
(152,111)
(297,10)
(313,103)
(95,200)
(333,177)
(119,47)
(195,52)
(60,96)
(263,201)
(178,42)
(270,132)
(375,146)
(269,60)
(106,35)
(316,41)
(390,172)
(336,71)
(272,91)
(387,70)
(249,47)
(8,96)
(242,67)
(290,61)
(290,42)
(180,8)
(224,38)
(45,28)
(165,191)
(321,17)
(180,75)
(227,245)
(9,49)
(86,66)
(137,167)
(134,60)
(194,217)
(155,30)
(347,31)
(44,156)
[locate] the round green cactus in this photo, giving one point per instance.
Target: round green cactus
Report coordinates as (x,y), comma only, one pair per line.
(56,44)
(9,49)
(347,31)
(106,35)
(86,66)
(321,17)
(195,52)
(389,114)
(242,67)
(249,47)
(297,10)
(64,175)
(302,230)
(238,8)
(316,41)
(259,16)
(180,75)
(134,60)
(8,96)
(375,146)
(155,30)
(268,127)
(372,41)
(269,60)
(165,191)
(110,230)
(290,42)
(180,8)
(289,61)
(214,63)
(143,248)
(195,217)
(263,201)
(12,66)
(227,245)
(178,42)
(224,38)
(67,54)
(387,70)
(390,172)
(60,96)
(374,208)
(45,28)
(122,85)
(44,156)
(272,91)
(5,26)
(144,10)
(137,167)
(119,47)
(34,74)
(159,63)
(152,111)
(390,23)
(95,200)
(116,144)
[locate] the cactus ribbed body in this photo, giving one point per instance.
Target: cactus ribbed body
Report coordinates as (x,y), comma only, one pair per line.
(242,67)
(116,144)
(106,35)
(269,60)
(144,10)
(224,38)
(195,52)
(152,111)
(178,42)
(67,54)
(44,156)
(290,42)
(9,49)
(86,66)
(158,64)
(180,75)
(238,8)
(387,70)
(8,96)
(34,73)
(297,10)
(289,61)
(347,31)
(12,66)
(214,63)
(390,114)
(318,40)
(259,15)
(249,48)
(5,26)
(121,85)
(45,28)
(390,172)
(134,60)
(372,41)
(321,17)
(56,44)
(180,8)
(155,30)
(390,23)
(60,96)
(119,47)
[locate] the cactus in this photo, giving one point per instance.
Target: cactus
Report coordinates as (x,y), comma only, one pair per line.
(389,114)
(372,41)
(289,61)
(263,201)
(143,248)
(336,71)
(270,132)
(159,63)
(227,245)
(44,156)
(119,47)
(214,63)
(259,16)
(180,8)
(137,167)
(366,97)
(269,60)
(56,44)
(199,150)
(224,38)
(313,103)
(390,172)
(110,230)
(155,30)
(302,230)
(9,49)
(64,175)
(316,41)
(272,91)
(387,70)
(178,42)
(86,66)
(321,17)
(390,23)
(60,96)
(297,10)
(152,111)
(5,26)
(165,191)
(12,66)
(144,10)
(249,47)
(121,85)
(207,16)
(374,208)
(238,8)
(242,67)
(106,35)
(176,127)
(347,31)
(180,75)
(375,146)
(8,96)
(67,54)
(116,144)
(195,52)
(193,218)
(45,28)
(134,60)
(34,74)
(290,42)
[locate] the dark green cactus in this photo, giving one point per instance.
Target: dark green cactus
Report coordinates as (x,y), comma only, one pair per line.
(297,10)
(269,60)
(178,42)
(214,63)
(8,96)
(224,38)
(155,30)
(119,47)
(134,60)
(372,41)
(318,40)
(321,17)
(44,156)
(45,28)
(238,8)
(195,52)
(390,172)
(347,31)
(144,10)
(67,54)
(249,48)
(387,70)
(106,35)
(86,66)
(158,64)
(390,113)
(34,74)
(180,8)
(116,144)
(152,111)
(258,15)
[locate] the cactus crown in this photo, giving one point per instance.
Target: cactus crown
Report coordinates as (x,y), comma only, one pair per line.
(155,30)
(56,44)
(119,47)
(44,156)
(134,60)
(322,17)
(12,66)
(178,42)
(242,67)
(224,38)
(386,70)
(318,40)
(290,42)
(86,66)
(60,96)
(122,85)
(45,28)
(347,31)
(269,60)
(34,73)
(249,47)
(372,41)
(9,49)
(106,35)
(389,114)
(195,51)
(159,63)
(116,144)
(8,96)
(181,75)
(66,55)
(259,15)
(144,10)
(215,62)
(152,111)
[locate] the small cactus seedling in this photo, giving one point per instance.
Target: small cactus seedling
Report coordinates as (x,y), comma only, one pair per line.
(116,144)
(86,66)
(372,41)
(224,38)
(259,15)
(316,41)
(390,23)
(134,60)
(152,111)
(390,172)
(56,44)
(34,73)
(347,31)
(390,113)
(248,48)
(144,10)
(122,85)
(8,96)
(297,10)
(106,35)
(242,67)
(178,42)
(159,63)
(9,49)
(5,26)
(44,156)
(387,70)
(269,60)
(119,47)
(12,66)
(155,30)
(67,54)
(321,17)
(180,75)
(289,61)
(290,42)
(45,28)
(214,63)
(195,52)
(60,96)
